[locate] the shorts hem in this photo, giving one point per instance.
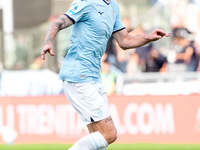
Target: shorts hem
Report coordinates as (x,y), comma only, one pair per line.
(97,119)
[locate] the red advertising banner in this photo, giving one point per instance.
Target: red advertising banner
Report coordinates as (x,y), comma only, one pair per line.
(139,119)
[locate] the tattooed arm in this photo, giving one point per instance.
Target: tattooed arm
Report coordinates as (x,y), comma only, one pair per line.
(62,23)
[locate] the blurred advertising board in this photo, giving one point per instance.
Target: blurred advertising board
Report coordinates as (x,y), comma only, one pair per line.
(139,119)
(29,83)
(154,83)
(173,88)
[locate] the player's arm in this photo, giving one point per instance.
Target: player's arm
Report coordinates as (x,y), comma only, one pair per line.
(127,41)
(61,23)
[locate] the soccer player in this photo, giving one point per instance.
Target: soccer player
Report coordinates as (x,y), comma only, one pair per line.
(94,21)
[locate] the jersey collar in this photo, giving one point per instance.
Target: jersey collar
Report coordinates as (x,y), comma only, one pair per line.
(107,2)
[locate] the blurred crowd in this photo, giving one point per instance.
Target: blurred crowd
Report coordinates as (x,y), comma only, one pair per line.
(183,54)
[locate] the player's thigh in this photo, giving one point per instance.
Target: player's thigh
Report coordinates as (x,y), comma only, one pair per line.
(100,125)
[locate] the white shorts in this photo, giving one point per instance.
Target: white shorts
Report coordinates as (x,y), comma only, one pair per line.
(89,100)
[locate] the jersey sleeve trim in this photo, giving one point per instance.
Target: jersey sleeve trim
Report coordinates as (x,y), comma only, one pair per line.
(70,18)
(118,30)
(106,2)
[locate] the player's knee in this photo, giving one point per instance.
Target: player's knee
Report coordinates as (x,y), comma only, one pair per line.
(111,137)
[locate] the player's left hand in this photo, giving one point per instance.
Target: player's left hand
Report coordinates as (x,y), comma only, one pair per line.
(157,34)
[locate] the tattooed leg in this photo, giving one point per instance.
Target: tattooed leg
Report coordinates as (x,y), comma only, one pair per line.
(108,119)
(106,127)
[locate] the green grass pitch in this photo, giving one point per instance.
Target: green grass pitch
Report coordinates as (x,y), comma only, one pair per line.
(111,147)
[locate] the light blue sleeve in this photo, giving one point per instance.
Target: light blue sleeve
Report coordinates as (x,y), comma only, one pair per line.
(118,23)
(79,10)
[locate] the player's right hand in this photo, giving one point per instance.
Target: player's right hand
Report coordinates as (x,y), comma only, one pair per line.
(47,48)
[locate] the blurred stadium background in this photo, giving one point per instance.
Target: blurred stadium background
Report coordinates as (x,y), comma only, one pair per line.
(153,91)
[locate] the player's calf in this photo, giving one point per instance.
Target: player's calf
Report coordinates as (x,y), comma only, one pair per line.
(110,136)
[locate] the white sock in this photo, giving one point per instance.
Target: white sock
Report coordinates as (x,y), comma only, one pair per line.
(93,141)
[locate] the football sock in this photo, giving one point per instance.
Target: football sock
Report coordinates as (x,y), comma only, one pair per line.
(93,141)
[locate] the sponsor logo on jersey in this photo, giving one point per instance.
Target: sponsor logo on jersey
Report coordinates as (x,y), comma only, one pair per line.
(101,13)
(74,8)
